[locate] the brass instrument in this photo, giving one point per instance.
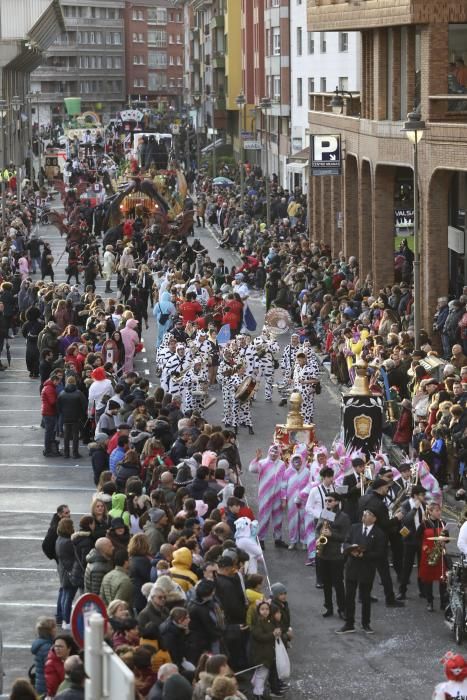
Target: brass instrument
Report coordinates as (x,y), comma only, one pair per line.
(403,495)
(435,553)
(322,540)
(460,516)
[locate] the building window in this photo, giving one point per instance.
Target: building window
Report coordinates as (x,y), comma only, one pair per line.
(138,38)
(299,41)
(138,60)
(311,84)
(343,83)
(171,39)
(299,92)
(157,81)
(157,59)
(276,87)
(322,42)
(275,3)
(322,84)
(138,15)
(138,82)
(171,61)
(179,60)
(179,17)
(343,41)
(179,38)
(157,37)
(311,42)
(276,41)
(157,15)
(114,38)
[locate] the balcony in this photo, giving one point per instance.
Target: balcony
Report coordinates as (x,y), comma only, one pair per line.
(321,102)
(336,15)
(217,21)
(218,61)
(448,108)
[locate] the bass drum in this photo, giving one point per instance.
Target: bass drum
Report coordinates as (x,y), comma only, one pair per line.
(245,390)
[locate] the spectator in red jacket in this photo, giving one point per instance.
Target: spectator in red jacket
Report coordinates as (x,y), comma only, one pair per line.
(232,319)
(54,670)
(49,414)
(190,309)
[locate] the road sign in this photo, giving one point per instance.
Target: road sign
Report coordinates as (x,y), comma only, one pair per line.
(325,154)
(86,605)
(252,145)
(247,135)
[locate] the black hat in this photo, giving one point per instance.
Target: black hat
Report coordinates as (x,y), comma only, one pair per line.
(358,462)
(406,466)
(379,482)
(333,495)
(116,523)
(371,510)
(418,489)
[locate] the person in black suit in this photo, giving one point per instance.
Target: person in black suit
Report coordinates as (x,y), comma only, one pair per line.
(332,557)
(365,547)
(354,481)
(413,514)
(374,500)
(395,540)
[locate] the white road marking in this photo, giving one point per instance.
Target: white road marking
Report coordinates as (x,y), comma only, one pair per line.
(23,568)
(30,487)
(17,537)
(27,605)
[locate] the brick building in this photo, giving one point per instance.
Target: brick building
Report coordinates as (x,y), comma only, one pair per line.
(154,51)
(408,59)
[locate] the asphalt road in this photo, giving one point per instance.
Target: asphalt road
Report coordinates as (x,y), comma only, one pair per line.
(400,661)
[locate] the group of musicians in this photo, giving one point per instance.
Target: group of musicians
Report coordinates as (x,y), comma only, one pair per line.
(191,363)
(362,518)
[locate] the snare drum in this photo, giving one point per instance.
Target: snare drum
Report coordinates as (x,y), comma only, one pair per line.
(245,390)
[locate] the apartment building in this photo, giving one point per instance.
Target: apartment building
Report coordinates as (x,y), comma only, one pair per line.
(86,60)
(412,58)
(154,52)
(319,62)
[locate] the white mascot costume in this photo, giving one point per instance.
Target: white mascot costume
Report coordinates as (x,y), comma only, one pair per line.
(245,538)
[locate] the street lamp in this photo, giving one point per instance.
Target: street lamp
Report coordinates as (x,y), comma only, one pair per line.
(265,105)
(16,107)
(413,129)
(197,106)
(214,135)
(241,101)
(3,113)
(337,102)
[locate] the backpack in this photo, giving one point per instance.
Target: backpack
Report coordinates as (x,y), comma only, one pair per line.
(48,543)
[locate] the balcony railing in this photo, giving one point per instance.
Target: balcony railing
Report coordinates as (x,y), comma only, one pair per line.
(321,102)
(448,108)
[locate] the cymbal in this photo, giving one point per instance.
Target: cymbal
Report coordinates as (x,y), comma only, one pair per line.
(441,538)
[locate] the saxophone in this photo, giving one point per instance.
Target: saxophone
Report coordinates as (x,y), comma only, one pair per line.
(435,554)
(322,540)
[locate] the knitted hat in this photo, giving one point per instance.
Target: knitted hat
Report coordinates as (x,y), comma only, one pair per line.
(156,514)
(98,373)
(277,589)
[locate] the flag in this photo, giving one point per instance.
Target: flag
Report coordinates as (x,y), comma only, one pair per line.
(249,319)
(223,336)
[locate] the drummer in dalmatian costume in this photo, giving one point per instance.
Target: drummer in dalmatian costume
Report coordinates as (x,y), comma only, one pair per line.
(195,381)
(224,377)
(305,377)
(241,411)
(165,353)
(177,364)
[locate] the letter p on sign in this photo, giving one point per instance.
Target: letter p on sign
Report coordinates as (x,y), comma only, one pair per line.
(326,148)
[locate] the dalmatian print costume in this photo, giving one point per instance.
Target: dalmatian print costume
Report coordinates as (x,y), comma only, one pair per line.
(192,382)
(164,358)
(224,377)
(175,366)
(241,410)
(301,375)
(266,349)
(287,366)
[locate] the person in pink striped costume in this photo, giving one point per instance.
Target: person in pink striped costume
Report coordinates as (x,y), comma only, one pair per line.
(270,473)
(294,482)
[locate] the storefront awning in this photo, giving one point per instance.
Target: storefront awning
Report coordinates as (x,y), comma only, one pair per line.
(298,161)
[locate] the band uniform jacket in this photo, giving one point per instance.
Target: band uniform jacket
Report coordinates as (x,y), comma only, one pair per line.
(352,496)
(363,569)
(408,521)
(340,528)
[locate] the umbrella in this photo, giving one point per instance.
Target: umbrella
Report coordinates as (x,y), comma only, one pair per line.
(223,181)
(8,354)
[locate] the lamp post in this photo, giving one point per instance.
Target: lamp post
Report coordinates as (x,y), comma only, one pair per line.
(265,106)
(241,101)
(414,129)
(29,98)
(197,106)
(214,135)
(16,106)
(3,113)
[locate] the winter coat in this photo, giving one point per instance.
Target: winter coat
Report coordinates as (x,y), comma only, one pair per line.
(206,625)
(117,584)
(82,544)
(140,573)
(97,567)
(201,687)
(99,461)
(155,537)
(262,641)
(74,692)
(66,559)
(54,672)
(150,619)
(175,639)
(48,339)
(403,434)
(40,649)
(49,399)
(230,593)
(119,541)
(72,404)
(180,570)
